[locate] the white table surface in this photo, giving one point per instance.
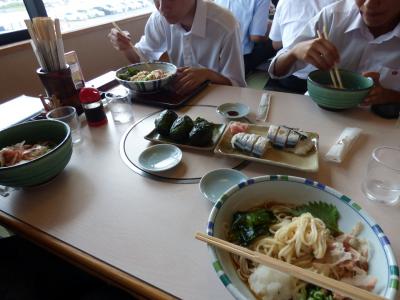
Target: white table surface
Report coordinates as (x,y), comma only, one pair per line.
(146,228)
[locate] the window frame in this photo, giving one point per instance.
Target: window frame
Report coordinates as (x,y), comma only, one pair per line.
(35,8)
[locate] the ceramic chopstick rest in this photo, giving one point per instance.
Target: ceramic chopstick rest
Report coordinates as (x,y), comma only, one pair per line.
(343,144)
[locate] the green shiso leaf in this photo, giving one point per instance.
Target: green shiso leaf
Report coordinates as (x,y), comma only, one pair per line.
(328,213)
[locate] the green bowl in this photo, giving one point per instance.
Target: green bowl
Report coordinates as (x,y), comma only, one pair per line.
(44,168)
(321,90)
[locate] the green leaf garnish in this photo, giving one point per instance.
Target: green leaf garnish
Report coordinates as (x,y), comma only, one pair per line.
(247,226)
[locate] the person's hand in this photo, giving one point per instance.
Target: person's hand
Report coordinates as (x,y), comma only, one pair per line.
(378,94)
(120,41)
(319,52)
(189,78)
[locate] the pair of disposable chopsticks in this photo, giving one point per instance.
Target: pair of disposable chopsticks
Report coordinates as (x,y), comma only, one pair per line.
(142,58)
(335,76)
(47,43)
(342,288)
(263,107)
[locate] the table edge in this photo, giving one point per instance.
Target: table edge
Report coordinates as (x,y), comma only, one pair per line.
(83,260)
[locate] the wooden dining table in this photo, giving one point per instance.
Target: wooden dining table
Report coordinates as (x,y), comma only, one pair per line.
(136,229)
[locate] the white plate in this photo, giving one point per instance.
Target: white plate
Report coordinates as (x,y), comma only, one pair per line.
(233,110)
(217,182)
(160,157)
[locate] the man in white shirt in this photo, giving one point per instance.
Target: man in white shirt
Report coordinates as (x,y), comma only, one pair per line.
(289,20)
(252,16)
(199,36)
(363,36)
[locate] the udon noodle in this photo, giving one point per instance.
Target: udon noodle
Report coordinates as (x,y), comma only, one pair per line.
(305,241)
(149,75)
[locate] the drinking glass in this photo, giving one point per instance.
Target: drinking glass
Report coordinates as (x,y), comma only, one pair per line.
(68,115)
(382,180)
(120,106)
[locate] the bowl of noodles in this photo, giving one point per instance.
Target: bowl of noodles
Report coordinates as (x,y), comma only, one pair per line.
(304,223)
(34,152)
(146,77)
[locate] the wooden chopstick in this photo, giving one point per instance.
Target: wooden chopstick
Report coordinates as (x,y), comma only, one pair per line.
(132,45)
(325,282)
(331,72)
(47,43)
(335,69)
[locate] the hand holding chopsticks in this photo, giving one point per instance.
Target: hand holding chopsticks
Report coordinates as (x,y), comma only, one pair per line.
(306,275)
(335,75)
(130,43)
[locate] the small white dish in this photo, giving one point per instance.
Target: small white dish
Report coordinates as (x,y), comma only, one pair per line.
(160,157)
(233,110)
(217,182)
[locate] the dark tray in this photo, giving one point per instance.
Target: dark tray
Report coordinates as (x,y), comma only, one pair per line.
(166,97)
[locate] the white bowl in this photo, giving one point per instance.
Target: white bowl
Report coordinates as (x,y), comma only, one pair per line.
(160,157)
(296,190)
(233,110)
(149,86)
(215,183)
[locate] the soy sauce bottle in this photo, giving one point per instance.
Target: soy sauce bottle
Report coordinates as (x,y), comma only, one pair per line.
(92,106)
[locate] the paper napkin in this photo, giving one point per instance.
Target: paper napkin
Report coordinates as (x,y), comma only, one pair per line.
(343,144)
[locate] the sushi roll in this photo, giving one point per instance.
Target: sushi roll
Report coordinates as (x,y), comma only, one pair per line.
(281,137)
(243,141)
(293,139)
(260,146)
(272,132)
(251,140)
(304,146)
(238,141)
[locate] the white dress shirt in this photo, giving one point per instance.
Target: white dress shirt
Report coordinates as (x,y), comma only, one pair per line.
(289,20)
(213,41)
(359,50)
(252,16)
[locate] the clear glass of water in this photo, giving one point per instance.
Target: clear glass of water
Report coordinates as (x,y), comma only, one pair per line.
(382,180)
(120,106)
(67,114)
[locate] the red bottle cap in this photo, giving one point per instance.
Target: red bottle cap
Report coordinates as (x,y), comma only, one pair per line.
(89,95)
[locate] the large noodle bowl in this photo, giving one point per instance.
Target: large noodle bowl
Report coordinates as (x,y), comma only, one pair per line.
(304,241)
(292,193)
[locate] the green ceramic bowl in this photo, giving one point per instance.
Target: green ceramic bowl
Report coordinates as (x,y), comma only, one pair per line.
(321,90)
(44,168)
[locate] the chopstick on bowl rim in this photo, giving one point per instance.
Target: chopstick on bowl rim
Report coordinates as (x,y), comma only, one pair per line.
(142,58)
(342,288)
(335,75)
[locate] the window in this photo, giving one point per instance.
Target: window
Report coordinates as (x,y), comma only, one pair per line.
(12,15)
(73,14)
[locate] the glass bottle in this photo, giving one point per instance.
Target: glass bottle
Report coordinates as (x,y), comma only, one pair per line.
(92,106)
